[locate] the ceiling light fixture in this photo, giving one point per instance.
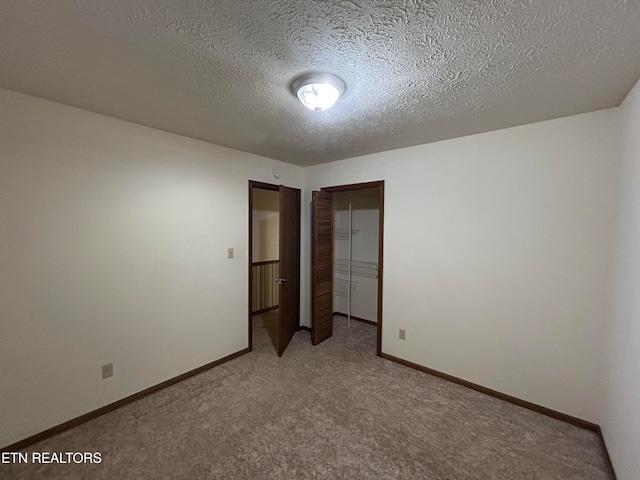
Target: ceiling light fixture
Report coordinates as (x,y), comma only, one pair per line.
(318,92)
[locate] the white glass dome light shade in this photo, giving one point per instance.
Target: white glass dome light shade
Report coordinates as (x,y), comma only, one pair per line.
(318,92)
(318,96)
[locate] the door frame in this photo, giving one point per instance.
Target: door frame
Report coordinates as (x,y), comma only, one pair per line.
(261,186)
(379,184)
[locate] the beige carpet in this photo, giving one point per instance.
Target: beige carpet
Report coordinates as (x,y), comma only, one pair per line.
(335,411)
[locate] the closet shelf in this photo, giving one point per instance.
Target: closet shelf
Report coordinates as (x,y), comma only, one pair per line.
(341,287)
(357,263)
(357,273)
(360,268)
(345,234)
(343,282)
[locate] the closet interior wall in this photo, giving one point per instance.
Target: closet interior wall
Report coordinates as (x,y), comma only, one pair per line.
(355,253)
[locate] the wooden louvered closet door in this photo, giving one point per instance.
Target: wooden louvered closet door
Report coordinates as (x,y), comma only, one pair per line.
(322,267)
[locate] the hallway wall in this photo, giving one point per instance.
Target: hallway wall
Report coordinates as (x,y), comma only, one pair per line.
(266,225)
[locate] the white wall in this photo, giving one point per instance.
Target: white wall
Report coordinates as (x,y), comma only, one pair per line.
(266,225)
(365,218)
(621,423)
(113,249)
(497,255)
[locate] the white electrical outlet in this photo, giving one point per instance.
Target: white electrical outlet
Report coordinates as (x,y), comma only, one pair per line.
(229,252)
(107,370)
(403,334)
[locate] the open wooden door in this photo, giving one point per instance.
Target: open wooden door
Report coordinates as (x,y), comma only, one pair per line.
(289,266)
(321,267)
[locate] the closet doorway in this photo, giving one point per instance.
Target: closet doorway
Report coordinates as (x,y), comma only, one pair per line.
(274,264)
(347,224)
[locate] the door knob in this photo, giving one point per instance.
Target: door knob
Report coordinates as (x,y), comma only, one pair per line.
(283,280)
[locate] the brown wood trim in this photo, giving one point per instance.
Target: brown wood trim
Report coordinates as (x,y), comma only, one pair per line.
(358,319)
(299,198)
(605,451)
(268,309)
(115,405)
(305,328)
(264,186)
(380,266)
(250,255)
(578,422)
(353,186)
(267,262)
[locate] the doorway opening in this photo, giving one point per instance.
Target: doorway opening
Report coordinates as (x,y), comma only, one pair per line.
(274,265)
(347,257)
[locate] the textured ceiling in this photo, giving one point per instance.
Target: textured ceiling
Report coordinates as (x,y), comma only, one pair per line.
(416,71)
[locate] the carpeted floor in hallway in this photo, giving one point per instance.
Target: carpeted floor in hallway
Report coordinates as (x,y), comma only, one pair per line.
(335,411)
